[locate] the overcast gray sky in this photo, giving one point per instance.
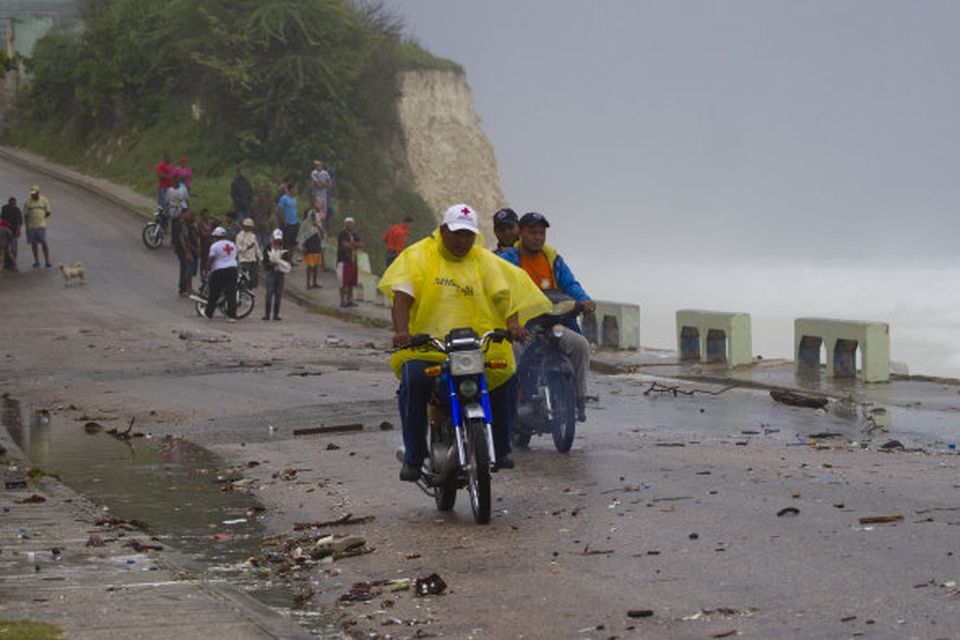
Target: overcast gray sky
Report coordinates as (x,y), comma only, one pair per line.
(750,127)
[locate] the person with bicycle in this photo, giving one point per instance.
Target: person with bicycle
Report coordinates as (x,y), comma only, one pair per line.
(222,267)
(447,281)
(548,271)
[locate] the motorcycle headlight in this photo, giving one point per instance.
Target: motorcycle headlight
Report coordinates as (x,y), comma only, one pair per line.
(466,363)
(559,330)
(468,388)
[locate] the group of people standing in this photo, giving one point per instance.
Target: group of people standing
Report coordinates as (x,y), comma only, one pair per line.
(32,220)
(263,233)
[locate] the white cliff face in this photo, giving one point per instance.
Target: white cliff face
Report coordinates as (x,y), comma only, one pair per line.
(450,157)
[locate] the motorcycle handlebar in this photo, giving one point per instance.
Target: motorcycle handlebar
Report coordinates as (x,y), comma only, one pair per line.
(425,339)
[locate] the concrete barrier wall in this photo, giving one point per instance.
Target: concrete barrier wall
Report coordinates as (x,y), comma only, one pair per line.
(614,325)
(842,338)
(714,337)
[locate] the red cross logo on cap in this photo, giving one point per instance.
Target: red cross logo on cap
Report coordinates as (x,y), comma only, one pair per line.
(465,211)
(228,249)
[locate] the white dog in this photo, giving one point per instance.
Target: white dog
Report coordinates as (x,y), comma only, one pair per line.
(74,271)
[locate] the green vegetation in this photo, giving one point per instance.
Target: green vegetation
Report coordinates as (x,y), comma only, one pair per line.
(27,630)
(270,86)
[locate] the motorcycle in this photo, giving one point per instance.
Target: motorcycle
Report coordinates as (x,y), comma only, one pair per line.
(546,390)
(156,230)
(460,424)
(246,301)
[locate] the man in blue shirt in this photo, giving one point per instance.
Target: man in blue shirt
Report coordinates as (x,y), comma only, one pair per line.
(287,216)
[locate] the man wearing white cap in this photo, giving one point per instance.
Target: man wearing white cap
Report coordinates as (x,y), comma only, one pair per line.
(276,265)
(444,282)
(222,267)
(348,243)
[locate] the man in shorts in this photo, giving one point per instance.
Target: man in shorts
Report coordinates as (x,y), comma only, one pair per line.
(348,244)
(36,210)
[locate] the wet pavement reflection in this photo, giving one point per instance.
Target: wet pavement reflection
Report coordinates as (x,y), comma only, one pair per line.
(168,483)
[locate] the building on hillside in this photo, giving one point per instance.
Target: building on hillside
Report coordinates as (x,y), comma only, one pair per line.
(24,22)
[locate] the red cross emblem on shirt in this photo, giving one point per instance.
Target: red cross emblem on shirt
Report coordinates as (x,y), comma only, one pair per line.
(228,249)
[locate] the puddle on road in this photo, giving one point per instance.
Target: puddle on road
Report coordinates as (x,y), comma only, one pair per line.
(169,484)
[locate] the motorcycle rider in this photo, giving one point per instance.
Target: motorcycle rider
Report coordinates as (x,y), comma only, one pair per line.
(445,281)
(549,271)
(506,229)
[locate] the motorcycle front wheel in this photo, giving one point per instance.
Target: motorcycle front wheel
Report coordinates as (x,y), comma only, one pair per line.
(201,305)
(563,394)
(152,235)
(478,471)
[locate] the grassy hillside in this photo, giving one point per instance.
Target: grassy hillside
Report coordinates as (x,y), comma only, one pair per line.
(269,86)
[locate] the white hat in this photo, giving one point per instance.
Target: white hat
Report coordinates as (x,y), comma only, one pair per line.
(348,219)
(460,216)
(219,232)
(277,234)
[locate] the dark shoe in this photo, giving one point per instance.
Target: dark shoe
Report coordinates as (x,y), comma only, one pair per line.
(48,265)
(581,412)
(352,304)
(36,265)
(265,318)
(277,318)
(409,473)
(506,462)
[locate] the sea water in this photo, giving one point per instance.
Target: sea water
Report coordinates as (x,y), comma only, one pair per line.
(918,298)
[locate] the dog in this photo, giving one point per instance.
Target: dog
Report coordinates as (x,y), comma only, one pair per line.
(77,271)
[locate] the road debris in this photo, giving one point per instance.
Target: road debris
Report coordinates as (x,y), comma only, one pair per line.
(432,585)
(881,519)
(798,399)
(639,613)
(92,427)
(36,498)
(339,428)
(344,520)
(788,511)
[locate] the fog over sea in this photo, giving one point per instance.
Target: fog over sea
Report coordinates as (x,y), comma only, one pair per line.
(919,299)
(774,157)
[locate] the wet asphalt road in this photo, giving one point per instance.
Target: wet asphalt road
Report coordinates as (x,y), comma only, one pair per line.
(664,504)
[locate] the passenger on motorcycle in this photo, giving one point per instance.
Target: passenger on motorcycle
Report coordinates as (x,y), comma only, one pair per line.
(447,281)
(549,272)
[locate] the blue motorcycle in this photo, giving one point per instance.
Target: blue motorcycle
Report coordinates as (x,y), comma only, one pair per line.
(546,390)
(460,423)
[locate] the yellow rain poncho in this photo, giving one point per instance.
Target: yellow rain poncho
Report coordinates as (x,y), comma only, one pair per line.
(480,290)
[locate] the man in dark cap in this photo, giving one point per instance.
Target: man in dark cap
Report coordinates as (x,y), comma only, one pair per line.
(549,272)
(506,229)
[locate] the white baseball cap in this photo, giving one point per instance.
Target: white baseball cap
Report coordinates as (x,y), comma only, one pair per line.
(219,232)
(461,216)
(277,234)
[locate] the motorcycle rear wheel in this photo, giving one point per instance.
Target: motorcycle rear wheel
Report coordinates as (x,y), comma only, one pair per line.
(245,303)
(152,235)
(563,395)
(478,474)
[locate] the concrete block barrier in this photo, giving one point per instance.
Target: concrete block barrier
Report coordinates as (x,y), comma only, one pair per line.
(842,339)
(714,337)
(613,325)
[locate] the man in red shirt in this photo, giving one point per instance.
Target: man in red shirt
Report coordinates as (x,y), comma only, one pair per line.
(396,238)
(164,180)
